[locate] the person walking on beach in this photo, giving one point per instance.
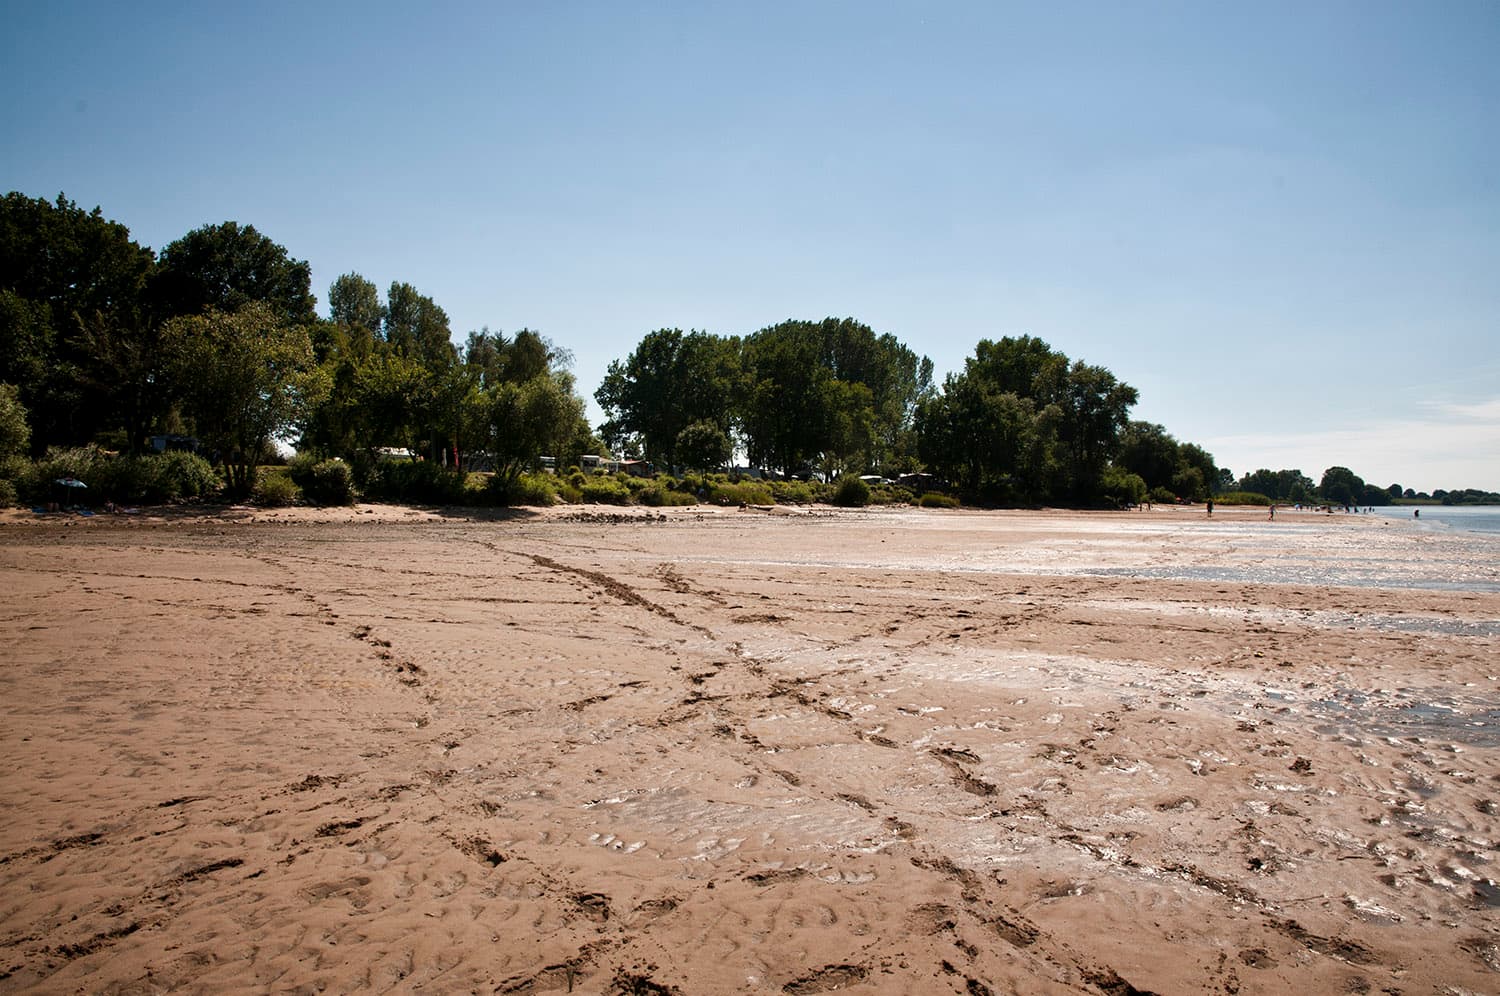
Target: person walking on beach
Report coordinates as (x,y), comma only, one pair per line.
(1273,511)
(1210,508)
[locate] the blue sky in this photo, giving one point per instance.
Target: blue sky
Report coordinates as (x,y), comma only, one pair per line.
(1281,222)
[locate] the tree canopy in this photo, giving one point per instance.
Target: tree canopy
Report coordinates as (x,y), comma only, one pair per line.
(1024,423)
(105,342)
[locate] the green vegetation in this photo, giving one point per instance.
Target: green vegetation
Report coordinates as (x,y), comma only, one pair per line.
(851,492)
(274,487)
(934,500)
(1242,498)
(216,344)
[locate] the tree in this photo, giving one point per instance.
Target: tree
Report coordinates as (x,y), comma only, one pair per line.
(1148,451)
(1279,485)
(246,378)
(63,269)
(354,303)
(1022,423)
(529,418)
(670,381)
(990,442)
(1341,486)
(226,266)
(417,328)
(703,446)
(15,434)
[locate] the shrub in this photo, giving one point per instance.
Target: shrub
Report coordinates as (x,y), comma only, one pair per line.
(793,492)
(851,492)
(525,489)
(330,482)
(1121,487)
(7,493)
(416,482)
(1242,498)
(150,478)
(891,494)
(934,500)
(723,492)
(1162,496)
(300,467)
(658,495)
(569,493)
(274,487)
(605,490)
(185,475)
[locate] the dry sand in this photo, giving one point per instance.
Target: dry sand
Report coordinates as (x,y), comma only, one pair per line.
(719,751)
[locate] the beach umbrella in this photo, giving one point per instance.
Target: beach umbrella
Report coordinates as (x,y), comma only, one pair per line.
(68,484)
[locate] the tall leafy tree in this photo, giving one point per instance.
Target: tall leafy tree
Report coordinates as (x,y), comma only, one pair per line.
(1022,422)
(354,303)
(670,381)
(417,328)
(247,377)
(226,266)
(1341,486)
(66,272)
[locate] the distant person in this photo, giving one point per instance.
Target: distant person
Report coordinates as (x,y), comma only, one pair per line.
(1273,511)
(1210,508)
(1416,513)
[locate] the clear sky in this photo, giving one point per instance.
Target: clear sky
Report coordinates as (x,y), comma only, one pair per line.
(1280,222)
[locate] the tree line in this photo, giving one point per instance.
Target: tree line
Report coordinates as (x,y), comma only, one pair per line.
(217,337)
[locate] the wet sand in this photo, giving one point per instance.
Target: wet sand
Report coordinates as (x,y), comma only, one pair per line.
(720,751)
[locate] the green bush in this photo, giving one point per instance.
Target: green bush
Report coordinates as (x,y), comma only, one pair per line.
(417,482)
(748,492)
(108,477)
(933,499)
(658,495)
(1242,498)
(525,489)
(1120,487)
(1161,495)
(185,475)
(274,487)
(7,493)
(891,494)
(331,482)
(793,492)
(851,492)
(605,490)
(568,493)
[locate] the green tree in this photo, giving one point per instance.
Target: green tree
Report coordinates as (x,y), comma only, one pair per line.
(247,378)
(1279,485)
(988,441)
(354,303)
(526,419)
(1341,486)
(1022,423)
(1149,451)
(670,381)
(703,446)
(417,328)
(15,433)
(62,270)
(226,266)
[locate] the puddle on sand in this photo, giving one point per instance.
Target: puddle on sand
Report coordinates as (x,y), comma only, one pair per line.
(1404,714)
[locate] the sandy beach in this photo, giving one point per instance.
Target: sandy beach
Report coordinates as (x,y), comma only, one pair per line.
(714,750)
